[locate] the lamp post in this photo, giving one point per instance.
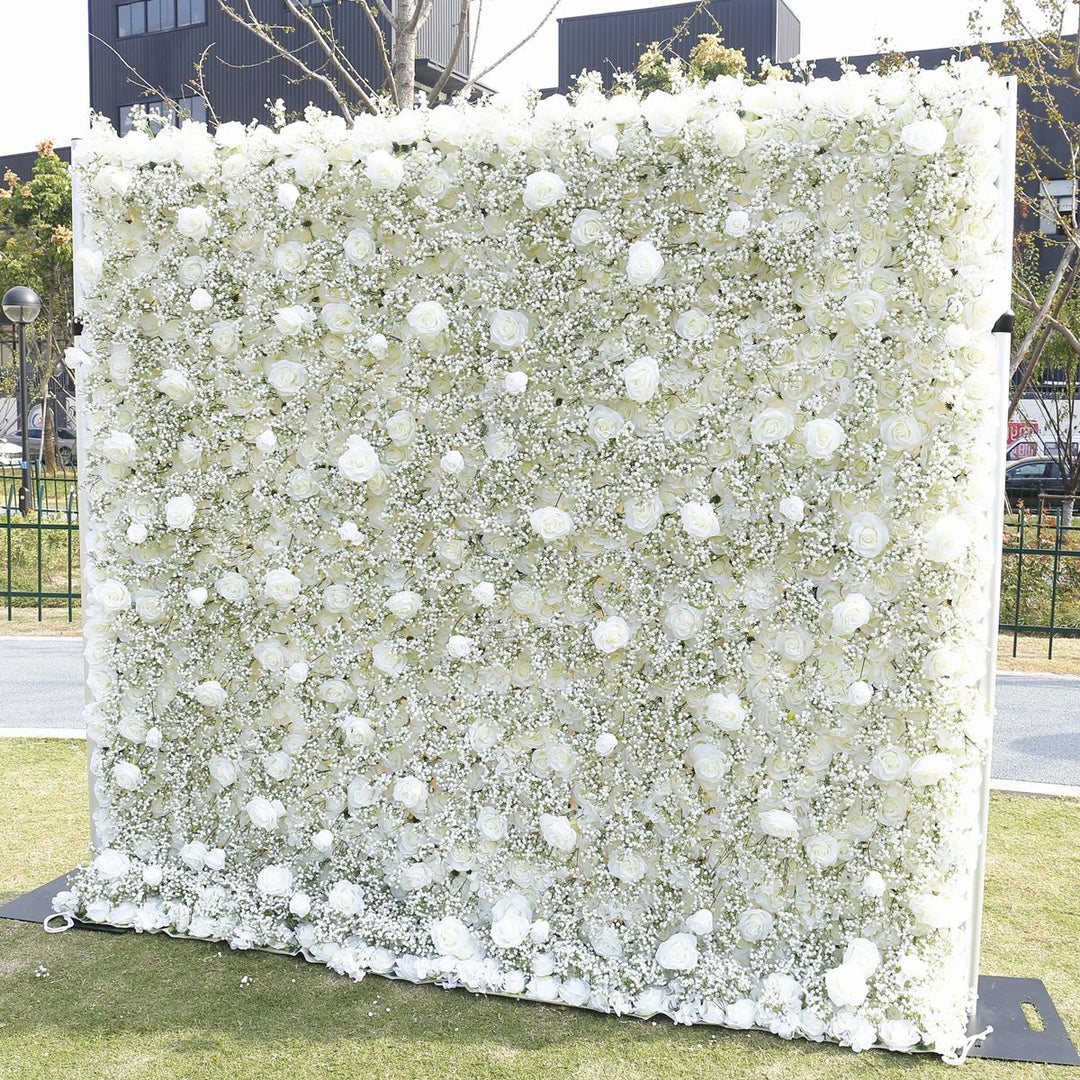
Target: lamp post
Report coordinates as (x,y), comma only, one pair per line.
(22,306)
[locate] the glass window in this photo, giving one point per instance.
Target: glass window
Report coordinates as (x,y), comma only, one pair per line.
(131,19)
(189,12)
(1031,471)
(193,108)
(160,15)
(123,20)
(1058,206)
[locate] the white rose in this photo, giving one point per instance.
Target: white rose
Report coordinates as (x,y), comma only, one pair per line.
(940,912)
(793,643)
(290,259)
(176,386)
(338,318)
(281,585)
(641,379)
(543,189)
(846,986)
(274,880)
(741,1014)
(119,448)
(384,170)
(873,885)
(459,646)
(678,953)
(201,300)
(262,813)
(754,924)
(711,764)
(772,425)
(682,621)
(344,897)
(516,382)
(232,587)
(605,743)
(510,931)
(558,831)
(451,937)
(286,195)
(725,711)
(193,222)
(359,247)
(931,769)
(692,324)
(224,337)
(404,604)
(863,954)
(484,593)
(778,823)
(643,263)
(728,133)
(924,137)
(136,532)
(222,770)
(902,432)
(948,539)
(823,438)
(300,904)
(127,775)
(410,792)
(491,824)
(509,329)
(868,535)
(309,165)
(359,462)
(428,318)
(979,125)
(610,635)
(699,520)
(737,224)
(111,864)
(642,513)
(604,424)
(865,308)
(665,113)
(287,377)
(792,508)
(211,694)
(860,693)
(588,227)
(899,1034)
(550,523)
(700,923)
(850,613)
(821,849)
(292,320)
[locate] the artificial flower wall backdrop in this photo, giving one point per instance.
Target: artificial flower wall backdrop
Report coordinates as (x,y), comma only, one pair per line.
(545,548)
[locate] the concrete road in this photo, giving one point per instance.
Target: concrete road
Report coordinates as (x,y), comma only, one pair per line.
(1037,736)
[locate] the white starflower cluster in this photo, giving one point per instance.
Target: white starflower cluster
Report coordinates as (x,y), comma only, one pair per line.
(544,546)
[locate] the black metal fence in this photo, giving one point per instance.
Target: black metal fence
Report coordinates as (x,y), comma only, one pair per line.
(41,549)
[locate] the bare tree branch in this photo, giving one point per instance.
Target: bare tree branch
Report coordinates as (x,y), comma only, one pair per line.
(475,78)
(384,55)
(459,40)
(421,11)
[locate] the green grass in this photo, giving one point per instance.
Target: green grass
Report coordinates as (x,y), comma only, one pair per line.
(141,1006)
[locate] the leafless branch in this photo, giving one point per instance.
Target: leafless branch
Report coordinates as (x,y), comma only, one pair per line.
(475,78)
(459,40)
(199,82)
(384,55)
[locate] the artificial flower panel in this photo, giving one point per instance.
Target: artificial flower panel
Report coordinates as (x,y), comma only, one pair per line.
(548,547)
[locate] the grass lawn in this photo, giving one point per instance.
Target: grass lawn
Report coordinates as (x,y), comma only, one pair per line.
(139,1006)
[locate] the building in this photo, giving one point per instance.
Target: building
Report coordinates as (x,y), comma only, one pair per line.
(614,41)
(157,43)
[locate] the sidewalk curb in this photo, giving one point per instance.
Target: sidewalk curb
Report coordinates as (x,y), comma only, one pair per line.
(42,733)
(1032,787)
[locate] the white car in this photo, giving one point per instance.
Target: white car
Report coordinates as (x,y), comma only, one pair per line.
(10,453)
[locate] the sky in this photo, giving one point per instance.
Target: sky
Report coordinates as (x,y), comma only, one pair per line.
(43,66)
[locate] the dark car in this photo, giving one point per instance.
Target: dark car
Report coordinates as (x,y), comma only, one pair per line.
(1026,480)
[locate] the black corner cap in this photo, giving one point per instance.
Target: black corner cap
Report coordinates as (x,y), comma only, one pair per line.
(1005,324)
(77,327)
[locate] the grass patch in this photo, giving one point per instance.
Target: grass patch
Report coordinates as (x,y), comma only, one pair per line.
(142,1007)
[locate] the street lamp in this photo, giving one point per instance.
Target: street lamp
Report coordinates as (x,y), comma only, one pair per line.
(22,306)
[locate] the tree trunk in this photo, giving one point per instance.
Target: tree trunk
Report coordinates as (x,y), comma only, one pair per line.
(48,433)
(1067,510)
(405,59)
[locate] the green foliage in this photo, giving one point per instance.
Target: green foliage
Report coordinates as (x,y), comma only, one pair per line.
(661,69)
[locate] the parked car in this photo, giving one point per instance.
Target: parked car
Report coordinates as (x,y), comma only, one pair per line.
(10,453)
(65,444)
(1026,479)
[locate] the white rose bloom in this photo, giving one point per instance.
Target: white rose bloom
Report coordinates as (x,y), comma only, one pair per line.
(823,438)
(846,986)
(700,923)
(222,770)
(642,513)
(224,337)
(924,137)
(201,300)
(711,764)
(940,912)
(211,694)
(491,824)
(484,593)
(860,693)
(948,539)
(127,776)
(410,792)
(359,462)
(793,509)
(232,587)
(459,646)
(262,813)
(641,379)
(864,955)
(111,864)
(292,320)
(119,448)
(511,930)
(605,743)
(865,308)
(821,849)
(180,512)
(193,222)
(772,425)
(794,643)
(902,432)
(665,113)
(558,831)
(543,189)
(931,769)
(451,937)
(287,377)
(550,523)
(754,924)
(741,1014)
(604,424)
(678,953)
(778,823)
(509,329)
(404,604)
(344,897)
(89,266)
(387,658)
(286,195)
(979,125)
(610,635)
(401,428)
(136,533)
(359,247)
(428,318)
(737,224)
(338,318)
(725,711)
(682,621)
(588,227)
(281,586)
(873,885)
(300,904)
(384,170)
(692,324)
(516,382)
(850,613)
(728,133)
(290,259)
(176,386)
(899,1034)
(274,880)
(699,520)
(868,535)
(643,263)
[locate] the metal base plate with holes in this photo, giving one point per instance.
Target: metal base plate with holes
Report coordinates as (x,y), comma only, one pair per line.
(1034,1034)
(36,907)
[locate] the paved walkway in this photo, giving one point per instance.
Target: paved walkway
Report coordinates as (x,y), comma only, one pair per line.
(1036,738)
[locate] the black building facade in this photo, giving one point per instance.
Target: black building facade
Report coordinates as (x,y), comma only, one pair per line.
(159,42)
(614,41)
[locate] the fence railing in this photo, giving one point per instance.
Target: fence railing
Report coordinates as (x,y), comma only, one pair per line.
(41,549)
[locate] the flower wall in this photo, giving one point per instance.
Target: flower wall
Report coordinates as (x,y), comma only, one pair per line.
(547,548)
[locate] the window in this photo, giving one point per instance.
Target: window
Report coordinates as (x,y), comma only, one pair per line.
(1032,471)
(191,107)
(1059,201)
(153,16)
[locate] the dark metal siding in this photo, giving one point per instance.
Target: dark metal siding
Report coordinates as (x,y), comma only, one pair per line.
(437,36)
(22,165)
(241,72)
(614,41)
(788,33)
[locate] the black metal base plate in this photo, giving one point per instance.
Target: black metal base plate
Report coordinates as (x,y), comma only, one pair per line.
(1001,1002)
(1001,999)
(36,907)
